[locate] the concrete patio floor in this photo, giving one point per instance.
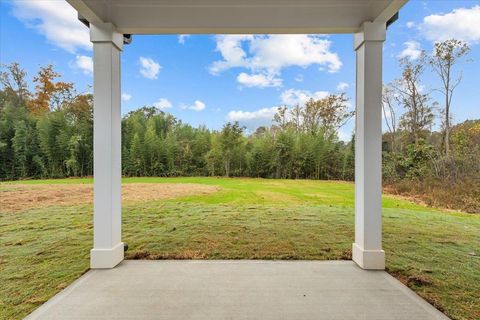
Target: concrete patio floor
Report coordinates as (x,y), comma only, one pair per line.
(236,290)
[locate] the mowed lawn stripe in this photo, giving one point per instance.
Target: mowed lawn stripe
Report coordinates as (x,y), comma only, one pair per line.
(434,252)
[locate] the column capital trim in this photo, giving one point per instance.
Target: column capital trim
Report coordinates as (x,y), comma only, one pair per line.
(106,32)
(370,31)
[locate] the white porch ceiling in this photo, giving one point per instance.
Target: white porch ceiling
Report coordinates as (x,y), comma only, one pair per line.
(236,16)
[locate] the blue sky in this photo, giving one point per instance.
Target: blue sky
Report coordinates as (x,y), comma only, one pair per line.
(208,79)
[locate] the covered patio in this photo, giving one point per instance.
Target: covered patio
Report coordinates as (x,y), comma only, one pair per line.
(236,289)
(112,24)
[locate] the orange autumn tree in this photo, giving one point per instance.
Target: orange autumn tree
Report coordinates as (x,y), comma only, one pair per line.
(49,94)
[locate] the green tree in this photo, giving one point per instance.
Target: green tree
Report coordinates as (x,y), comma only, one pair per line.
(230,139)
(20,149)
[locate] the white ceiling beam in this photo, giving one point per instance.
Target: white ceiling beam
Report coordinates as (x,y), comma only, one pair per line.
(237,16)
(390,11)
(85,11)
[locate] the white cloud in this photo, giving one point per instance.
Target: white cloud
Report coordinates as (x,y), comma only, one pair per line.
(269,54)
(149,68)
(299,78)
(182,38)
(126,96)
(84,64)
(410,24)
(293,97)
(56,20)
(264,113)
(342,86)
(162,104)
(462,24)
(230,46)
(196,106)
(258,80)
(253,119)
(412,50)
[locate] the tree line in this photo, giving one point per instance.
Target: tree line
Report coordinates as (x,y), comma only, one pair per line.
(442,166)
(157,144)
(48,133)
(409,133)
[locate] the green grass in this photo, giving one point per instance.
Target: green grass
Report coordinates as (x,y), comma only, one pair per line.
(43,250)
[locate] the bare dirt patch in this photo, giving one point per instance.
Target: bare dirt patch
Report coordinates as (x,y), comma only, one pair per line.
(19,197)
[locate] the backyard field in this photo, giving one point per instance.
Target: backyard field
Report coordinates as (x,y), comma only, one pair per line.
(46,233)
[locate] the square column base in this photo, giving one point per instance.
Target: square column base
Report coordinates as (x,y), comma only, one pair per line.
(106,258)
(368,259)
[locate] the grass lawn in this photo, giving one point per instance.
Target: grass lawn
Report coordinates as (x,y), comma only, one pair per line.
(436,253)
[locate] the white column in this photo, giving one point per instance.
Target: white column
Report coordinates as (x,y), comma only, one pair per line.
(107,249)
(367,250)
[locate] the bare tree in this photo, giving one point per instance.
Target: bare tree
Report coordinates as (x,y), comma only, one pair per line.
(13,80)
(329,114)
(409,93)
(281,118)
(334,113)
(389,113)
(445,55)
(296,114)
(310,116)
